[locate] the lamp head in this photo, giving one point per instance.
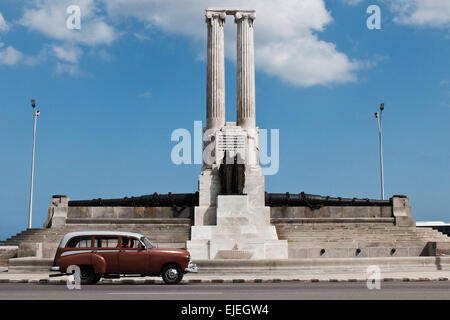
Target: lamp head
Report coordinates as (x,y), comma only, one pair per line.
(33,103)
(382,107)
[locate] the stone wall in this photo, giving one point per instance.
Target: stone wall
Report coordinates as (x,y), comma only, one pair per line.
(128,212)
(331,212)
(400,211)
(59,212)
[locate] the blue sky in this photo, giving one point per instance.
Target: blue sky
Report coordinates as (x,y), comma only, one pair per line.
(111,94)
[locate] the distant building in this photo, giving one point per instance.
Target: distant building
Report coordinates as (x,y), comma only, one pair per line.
(436,225)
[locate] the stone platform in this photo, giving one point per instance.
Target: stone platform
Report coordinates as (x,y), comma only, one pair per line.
(328,232)
(241,231)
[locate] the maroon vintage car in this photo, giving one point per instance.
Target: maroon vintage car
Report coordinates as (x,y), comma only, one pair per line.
(112,254)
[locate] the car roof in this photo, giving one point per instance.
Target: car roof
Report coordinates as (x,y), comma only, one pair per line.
(70,235)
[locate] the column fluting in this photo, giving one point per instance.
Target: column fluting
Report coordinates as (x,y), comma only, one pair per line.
(215,84)
(245,85)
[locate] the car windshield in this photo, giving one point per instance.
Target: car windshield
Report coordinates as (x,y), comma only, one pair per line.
(147,243)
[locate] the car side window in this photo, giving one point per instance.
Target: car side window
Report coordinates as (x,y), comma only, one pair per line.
(131,243)
(106,242)
(79,242)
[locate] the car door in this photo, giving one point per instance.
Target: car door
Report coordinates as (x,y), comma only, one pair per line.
(108,248)
(133,258)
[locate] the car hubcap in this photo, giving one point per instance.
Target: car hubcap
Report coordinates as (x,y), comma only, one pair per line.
(172,274)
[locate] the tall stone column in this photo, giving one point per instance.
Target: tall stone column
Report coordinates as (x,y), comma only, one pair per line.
(215,84)
(245,85)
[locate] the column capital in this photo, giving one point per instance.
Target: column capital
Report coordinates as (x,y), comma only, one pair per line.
(244,15)
(213,14)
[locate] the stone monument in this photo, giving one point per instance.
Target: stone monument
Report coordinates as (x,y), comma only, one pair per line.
(231,219)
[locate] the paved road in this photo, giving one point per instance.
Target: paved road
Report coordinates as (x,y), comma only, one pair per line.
(232,291)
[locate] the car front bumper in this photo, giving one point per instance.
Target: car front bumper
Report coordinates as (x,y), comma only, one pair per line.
(54,268)
(192,267)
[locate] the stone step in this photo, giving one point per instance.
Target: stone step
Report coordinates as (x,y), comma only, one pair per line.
(301,227)
(56,243)
(51,252)
(343,252)
(293,227)
(111,224)
(339,232)
(374,221)
(350,231)
(304,229)
(349,234)
(116,227)
(105,227)
(285,266)
(185,231)
(353,230)
(357,244)
(60,236)
(352,239)
(30,264)
(142,221)
(356,235)
(324,225)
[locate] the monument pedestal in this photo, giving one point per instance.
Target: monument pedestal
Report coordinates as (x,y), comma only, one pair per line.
(242,232)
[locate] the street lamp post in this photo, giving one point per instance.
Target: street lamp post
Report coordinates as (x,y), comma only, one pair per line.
(380,133)
(35,115)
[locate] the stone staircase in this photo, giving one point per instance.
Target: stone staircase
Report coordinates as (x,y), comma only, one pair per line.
(42,243)
(310,240)
(347,240)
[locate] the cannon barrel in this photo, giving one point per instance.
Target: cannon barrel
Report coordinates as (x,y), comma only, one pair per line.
(154,200)
(191,200)
(311,200)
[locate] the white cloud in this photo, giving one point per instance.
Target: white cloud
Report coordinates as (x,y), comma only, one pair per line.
(287,43)
(49,18)
(104,55)
(70,69)
(146,94)
(3,25)
(431,13)
(141,37)
(67,53)
(352,2)
(9,55)
(306,62)
(286,35)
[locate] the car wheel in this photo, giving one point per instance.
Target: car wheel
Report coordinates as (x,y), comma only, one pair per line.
(172,274)
(87,275)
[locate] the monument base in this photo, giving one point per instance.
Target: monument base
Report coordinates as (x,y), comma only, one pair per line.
(242,232)
(233,249)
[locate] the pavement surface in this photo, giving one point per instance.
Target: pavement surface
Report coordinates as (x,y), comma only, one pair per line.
(293,290)
(310,276)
